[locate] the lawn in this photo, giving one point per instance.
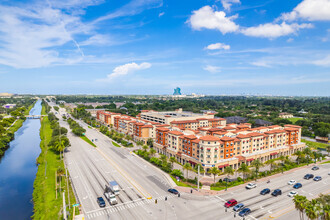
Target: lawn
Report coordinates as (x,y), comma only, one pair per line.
(46,205)
(315,145)
(293,120)
(178,183)
(88,141)
(115,144)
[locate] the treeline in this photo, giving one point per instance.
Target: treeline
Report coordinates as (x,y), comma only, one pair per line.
(21,105)
(76,128)
(118,137)
(81,113)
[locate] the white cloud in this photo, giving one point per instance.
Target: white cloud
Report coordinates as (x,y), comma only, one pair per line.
(217,46)
(127,69)
(206,17)
(161,14)
(212,69)
(312,10)
(97,39)
(290,40)
(228,3)
(271,30)
(323,62)
(261,63)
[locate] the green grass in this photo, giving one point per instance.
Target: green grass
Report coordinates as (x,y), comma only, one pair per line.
(46,206)
(88,141)
(326,162)
(115,144)
(315,145)
(184,184)
(16,126)
(294,120)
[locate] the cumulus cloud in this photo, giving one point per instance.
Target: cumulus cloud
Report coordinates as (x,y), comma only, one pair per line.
(206,17)
(127,69)
(312,10)
(271,30)
(217,46)
(212,69)
(228,3)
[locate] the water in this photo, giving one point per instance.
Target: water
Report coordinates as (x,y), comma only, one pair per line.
(18,170)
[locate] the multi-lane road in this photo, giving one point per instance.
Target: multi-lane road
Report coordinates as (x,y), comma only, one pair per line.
(141,184)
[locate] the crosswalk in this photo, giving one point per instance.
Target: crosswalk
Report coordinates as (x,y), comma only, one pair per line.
(124,206)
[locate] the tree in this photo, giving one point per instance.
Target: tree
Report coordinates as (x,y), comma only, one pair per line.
(186,167)
(328,149)
(257,164)
(60,146)
(282,159)
(299,203)
(152,152)
(145,147)
(228,171)
(214,171)
(311,209)
(150,142)
(271,163)
(172,160)
(244,169)
(299,155)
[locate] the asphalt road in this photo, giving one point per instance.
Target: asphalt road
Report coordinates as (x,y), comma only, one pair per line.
(141,184)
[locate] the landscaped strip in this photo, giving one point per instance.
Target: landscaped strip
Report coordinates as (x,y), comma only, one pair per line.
(46,205)
(115,144)
(88,141)
(315,145)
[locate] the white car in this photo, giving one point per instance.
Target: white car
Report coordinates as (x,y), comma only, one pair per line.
(291,182)
(251,186)
(292,193)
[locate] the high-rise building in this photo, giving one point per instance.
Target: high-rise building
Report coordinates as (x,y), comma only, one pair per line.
(177,91)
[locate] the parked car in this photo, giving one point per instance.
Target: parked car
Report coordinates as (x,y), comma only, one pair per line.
(251,186)
(292,193)
(238,207)
(230,203)
(277,192)
(315,168)
(227,180)
(297,186)
(308,176)
(265,191)
(174,191)
(244,212)
(101,202)
(291,182)
(317,178)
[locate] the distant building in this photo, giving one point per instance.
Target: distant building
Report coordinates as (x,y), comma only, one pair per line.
(177,91)
(9,106)
(260,122)
(285,115)
(236,120)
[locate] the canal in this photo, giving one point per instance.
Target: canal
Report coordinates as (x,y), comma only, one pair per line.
(18,170)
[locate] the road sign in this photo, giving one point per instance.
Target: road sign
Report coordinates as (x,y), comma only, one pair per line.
(75,205)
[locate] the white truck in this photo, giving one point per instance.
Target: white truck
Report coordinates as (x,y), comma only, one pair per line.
(114,187)
(110,196)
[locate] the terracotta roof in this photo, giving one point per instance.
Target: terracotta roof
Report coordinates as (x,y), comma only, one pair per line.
(291,129)
(200,119)
(162,125)
(229,128)
(217,119)
(163,129)
(215,129)
(293,126)
(139,124)
(274,126)
(184,122)
(242,136)
(254,134)
(195,140)
(188,136)
(175,132)
(209,138)
(147,126)
(221,132)
(275,131)
(225,138)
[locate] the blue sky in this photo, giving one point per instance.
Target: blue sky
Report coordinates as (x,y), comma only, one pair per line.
(274,47)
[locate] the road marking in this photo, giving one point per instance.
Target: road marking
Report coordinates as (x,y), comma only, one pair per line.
(269,211)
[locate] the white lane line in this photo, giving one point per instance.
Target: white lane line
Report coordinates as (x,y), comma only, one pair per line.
(270,212)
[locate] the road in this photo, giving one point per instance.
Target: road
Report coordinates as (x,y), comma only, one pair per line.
(141,184)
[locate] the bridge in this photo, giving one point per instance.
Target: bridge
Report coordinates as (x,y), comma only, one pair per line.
(35,116)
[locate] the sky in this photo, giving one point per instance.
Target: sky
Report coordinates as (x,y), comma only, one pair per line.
(212,47)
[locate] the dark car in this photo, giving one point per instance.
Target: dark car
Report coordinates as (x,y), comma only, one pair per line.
(230,203)
(308,176)
(297,185)
(265,191)
(315,168)
(244,212)
(317,178)
(277,192)
(227,180)
(101,202)
(238,207)
(174,191)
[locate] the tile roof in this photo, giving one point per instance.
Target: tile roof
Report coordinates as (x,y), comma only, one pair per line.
(209,138)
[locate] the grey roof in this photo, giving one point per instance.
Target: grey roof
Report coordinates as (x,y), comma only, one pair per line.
(262,122)
(236,119)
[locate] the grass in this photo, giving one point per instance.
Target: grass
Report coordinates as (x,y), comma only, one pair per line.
(294,120)
(46,205)
(88,141)
(315,145)
(184,184)
(16,126)
(326,162)
(115,144)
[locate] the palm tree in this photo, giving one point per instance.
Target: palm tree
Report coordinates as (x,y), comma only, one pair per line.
(257,164)
(307,151)
(244,169)
(60,146)
(163,158)
(299,203)
(145,147)
(152,152)
(271,163)
(310,210)
(229,171)
(282,159)
(299,155)
(172,160)
(328,149)
(214,171)
(60,172)
(186,167)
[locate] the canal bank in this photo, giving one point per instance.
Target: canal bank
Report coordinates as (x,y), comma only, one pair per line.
(18,169)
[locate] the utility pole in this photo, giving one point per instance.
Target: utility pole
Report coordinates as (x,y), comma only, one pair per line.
(64,208)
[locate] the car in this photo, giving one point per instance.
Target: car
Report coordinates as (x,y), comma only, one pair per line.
(174,191)
(265,191)
(238,207)
(101,202)
(297,185)
(317,178)
(227,180)
(291,182)
(244,212)
(276,192)
(251,186)
(230,203)
(292,193)
(315,168)
(308,176)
